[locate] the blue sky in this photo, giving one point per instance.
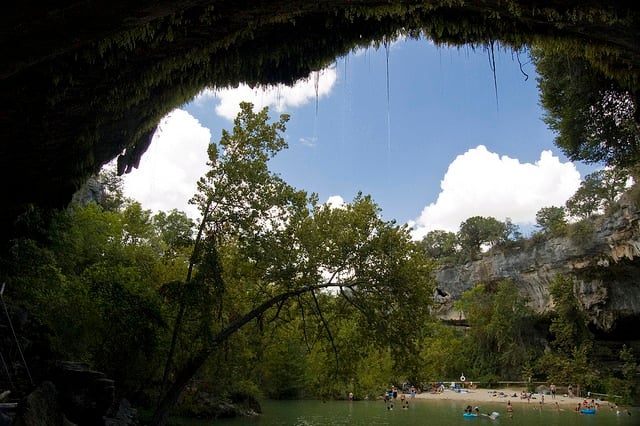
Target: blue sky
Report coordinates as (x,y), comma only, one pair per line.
(432,147)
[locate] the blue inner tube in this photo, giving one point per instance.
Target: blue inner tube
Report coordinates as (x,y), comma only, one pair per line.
(469,415)
(588,411)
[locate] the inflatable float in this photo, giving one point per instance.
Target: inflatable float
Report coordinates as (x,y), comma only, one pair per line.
(469,415)
(588,411)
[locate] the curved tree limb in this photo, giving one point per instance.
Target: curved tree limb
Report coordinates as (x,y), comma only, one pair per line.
(186,373)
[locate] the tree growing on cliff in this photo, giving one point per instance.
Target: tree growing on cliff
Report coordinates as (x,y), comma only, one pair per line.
(551,219)
(478,231)
(598,191)
(440,245)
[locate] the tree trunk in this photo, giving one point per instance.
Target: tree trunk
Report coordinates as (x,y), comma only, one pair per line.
(186,373)
(170,398)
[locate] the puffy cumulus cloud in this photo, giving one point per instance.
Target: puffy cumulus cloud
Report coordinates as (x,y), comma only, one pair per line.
(280,97)
(335,202)
(168,171)
(482,183)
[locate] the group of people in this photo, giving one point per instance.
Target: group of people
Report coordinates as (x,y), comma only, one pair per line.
(476,412)
(392,395)
(470,410)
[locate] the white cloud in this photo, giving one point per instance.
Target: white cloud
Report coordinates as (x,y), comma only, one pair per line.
(308,141)
(481,183)
(177,157)
(335,202)
(168,171)
(280,97)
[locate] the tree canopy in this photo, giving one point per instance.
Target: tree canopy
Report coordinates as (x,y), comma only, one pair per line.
(595,118)
(264,248)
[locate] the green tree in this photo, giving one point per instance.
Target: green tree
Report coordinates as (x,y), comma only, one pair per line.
(477,231)
(572,342)
(284,371)
(92,287)
(551,219)
(443,353)
(594,118)
(569,324)
(598,191)
(176,231)
(511,232)
(440,244)
(499,329)
(629,374)
(263,247)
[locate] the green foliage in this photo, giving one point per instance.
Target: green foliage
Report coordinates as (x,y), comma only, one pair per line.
(581,233)
(500,322)
(478,231)
(266,252)
(593,116)
(92,287)
(627,385)
(125,337)
(510,235)
(570,362)
(598,191)
(176,229)
(569,325)
(440,245)
(285,374)
(443,353)
(551,220)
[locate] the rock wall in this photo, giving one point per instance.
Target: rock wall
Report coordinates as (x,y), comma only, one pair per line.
(605,265)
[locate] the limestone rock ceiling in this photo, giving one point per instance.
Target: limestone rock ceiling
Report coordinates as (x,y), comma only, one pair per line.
(83,82)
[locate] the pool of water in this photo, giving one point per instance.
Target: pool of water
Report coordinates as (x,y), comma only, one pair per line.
(440,413)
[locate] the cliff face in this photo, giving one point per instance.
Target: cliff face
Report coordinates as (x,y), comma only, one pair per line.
(605,266)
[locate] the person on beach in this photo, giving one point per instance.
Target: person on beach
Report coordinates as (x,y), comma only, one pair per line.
(553,391)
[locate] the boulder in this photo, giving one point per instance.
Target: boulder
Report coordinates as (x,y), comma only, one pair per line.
(41,408)
(85,394)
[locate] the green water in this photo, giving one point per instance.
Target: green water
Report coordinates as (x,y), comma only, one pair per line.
(437,413)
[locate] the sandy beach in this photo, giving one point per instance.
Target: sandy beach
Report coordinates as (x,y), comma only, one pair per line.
(479,396)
